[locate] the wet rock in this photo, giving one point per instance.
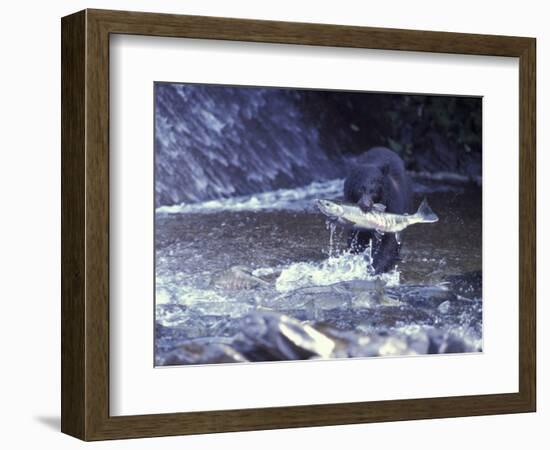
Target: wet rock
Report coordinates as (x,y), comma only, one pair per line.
(347,319)
(201,352)
(454,344)
(223,326)
(451,342)
(281,337)
(397,344)
(237,278)
(456,307)
(444,307)
(386,346)
(343,340)
(271,336)
(418,340)
(419,344)
(350,344)
(165,337)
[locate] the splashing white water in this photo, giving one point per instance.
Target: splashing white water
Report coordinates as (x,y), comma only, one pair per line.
(331,226)
(297,199)
(181,294)
(343,267)
(302,198)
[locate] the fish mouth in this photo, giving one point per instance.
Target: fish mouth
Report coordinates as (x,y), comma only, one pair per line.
(327,208)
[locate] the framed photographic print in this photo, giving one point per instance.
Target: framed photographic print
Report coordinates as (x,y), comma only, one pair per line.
(270,224)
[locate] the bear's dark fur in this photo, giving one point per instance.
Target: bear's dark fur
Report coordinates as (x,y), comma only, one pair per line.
(378,176)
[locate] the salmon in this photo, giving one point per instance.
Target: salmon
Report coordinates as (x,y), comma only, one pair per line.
(350,215)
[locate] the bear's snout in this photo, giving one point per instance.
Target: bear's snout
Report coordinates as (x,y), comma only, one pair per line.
(365,202)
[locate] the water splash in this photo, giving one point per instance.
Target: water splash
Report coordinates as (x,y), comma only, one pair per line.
(344,267)
(298,199)
(331,226)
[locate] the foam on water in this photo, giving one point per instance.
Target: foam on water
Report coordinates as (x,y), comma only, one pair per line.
(301,198)
(343,267)
(297,199)
(171,292)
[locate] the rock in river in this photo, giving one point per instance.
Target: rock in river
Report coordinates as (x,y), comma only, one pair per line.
(200,351)
(280,337)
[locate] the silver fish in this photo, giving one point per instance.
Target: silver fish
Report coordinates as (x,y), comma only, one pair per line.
(237,278)
(350,215)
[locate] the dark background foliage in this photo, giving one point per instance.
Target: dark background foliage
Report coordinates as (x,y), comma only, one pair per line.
(431,133)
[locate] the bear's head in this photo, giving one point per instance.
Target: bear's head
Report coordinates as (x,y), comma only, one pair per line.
(365,186)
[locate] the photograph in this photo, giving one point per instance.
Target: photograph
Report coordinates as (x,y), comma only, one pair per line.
(298,224)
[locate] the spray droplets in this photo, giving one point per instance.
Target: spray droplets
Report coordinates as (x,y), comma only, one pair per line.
(331,226)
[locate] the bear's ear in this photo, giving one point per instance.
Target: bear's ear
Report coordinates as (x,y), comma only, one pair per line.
(385,169)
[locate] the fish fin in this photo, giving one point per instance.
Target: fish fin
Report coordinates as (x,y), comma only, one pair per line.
(345,223)
(378,234)
(379,207)
(425,212)
(398,238)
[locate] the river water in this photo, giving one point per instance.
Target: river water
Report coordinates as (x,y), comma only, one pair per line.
(263,277)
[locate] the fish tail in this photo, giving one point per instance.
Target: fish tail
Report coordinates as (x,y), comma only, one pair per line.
(425,212)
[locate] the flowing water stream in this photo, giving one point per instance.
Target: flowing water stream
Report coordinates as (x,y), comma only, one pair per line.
(229,273)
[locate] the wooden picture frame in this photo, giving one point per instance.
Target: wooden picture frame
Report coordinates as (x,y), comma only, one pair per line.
(85,224)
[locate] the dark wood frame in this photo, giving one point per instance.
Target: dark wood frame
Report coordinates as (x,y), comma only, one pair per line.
(85,224)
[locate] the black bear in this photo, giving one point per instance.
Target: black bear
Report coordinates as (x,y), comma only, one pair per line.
(378,176)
